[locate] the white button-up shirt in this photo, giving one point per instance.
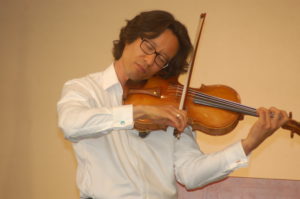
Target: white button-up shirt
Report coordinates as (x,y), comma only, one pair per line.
(114,162)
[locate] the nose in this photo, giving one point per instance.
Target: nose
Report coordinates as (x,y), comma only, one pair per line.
(149,59)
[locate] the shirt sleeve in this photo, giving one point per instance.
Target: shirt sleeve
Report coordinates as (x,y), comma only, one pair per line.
(195,169)
(79,116)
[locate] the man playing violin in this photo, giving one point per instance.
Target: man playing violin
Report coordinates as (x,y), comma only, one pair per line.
(113,160)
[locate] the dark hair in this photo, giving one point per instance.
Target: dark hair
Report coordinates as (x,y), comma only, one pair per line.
(150,25)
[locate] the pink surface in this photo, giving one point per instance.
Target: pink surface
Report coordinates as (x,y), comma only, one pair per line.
(245,188)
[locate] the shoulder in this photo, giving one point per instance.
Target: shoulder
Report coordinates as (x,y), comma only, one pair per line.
(95,78)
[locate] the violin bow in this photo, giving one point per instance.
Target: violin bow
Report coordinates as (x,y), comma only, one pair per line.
(191,66)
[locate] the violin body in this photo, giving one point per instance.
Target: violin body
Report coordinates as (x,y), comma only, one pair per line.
(158,91)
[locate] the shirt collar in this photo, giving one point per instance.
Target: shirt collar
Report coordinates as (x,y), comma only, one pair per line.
(110,77)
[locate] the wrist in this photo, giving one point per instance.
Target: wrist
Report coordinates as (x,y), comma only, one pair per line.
(138,112)
(247,146)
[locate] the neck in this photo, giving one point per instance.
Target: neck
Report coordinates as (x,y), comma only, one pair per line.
(120,73)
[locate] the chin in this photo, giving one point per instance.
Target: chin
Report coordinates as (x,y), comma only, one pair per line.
(139,77)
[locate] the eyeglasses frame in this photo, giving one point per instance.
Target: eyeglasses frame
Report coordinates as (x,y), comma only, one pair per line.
(154,52)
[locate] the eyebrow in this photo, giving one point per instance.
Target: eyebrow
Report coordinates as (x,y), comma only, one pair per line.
(160,53)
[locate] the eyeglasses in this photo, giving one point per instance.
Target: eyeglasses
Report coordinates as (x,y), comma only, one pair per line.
(149,49)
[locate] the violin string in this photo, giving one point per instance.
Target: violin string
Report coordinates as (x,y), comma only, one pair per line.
(223,103)
(230,108)
(208,100)
(212,101)
(205,99)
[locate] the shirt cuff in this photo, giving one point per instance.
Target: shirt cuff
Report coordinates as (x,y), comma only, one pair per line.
(123,117)
(236,156)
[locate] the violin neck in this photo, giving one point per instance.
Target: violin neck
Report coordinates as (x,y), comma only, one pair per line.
(212,101)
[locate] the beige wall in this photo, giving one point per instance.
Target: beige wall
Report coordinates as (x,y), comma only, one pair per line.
(252,46)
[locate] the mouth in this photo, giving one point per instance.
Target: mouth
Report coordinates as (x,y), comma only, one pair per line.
(141,68)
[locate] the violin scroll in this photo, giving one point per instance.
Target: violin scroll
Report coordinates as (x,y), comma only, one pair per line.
(292,126)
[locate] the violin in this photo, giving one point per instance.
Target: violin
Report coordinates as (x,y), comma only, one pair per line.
(212,109)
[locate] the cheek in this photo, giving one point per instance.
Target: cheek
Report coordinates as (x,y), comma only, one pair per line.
(131,50)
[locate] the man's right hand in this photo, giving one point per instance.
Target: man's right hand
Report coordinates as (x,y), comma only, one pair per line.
(167,115)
